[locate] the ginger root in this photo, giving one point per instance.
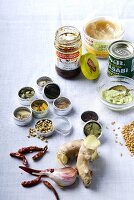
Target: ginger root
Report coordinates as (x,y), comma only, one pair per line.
(68,150)
(87,149)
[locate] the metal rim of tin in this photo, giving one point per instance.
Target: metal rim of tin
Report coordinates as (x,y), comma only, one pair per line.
(27,120)
(44,95)
(93,121)
(43,78)
(28,100)
(96,117)
(121,42)
(64,110)
(37,114)
(49,133)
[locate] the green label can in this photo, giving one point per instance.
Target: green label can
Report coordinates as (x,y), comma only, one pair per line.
(121,59)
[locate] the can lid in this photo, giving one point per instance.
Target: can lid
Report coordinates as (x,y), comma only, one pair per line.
(62,125)
(121,49)
(89,66)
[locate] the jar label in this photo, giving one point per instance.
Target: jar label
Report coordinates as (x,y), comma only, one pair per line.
(69,61)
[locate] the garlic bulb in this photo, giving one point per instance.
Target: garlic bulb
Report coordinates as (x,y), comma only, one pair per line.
(63,176)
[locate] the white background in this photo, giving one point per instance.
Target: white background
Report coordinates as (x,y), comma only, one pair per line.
(27,29)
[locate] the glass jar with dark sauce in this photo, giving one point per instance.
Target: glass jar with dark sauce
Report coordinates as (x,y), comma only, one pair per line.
(68,51)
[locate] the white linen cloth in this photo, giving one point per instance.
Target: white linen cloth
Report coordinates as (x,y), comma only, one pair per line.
(27,29)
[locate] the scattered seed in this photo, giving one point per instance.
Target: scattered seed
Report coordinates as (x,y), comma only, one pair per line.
(113,129)
(128,135)
(121,154)
(113,123)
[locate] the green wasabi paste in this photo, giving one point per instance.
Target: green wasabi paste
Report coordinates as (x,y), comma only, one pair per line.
(117,96)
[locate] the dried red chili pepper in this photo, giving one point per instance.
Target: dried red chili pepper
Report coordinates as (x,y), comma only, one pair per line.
(40,154)
(30,149)
(49,186)
(32,182)
(20,156)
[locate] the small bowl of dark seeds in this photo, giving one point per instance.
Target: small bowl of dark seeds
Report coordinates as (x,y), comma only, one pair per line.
(44,127)
(26,95)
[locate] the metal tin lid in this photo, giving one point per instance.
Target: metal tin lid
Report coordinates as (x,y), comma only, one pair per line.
(62,125)
(121,49)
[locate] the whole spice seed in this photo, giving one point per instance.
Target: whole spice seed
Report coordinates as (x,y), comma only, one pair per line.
(128,134)
(44,126)
(89,115)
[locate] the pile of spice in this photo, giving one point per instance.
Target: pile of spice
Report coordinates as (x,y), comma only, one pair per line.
(44,126)
(62,103)
(128,135)
(32,133)
(26,93)
(39,105)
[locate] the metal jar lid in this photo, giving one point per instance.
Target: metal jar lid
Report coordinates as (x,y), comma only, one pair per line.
(121,49)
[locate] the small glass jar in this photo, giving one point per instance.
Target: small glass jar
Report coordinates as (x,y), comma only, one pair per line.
(68,51)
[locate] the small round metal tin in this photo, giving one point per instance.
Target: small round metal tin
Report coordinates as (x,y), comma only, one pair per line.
(91,122)
(22,121)
(25,100)
(89,115)
(62,125)
(62,106)
(51,91)
(42,81)
(41,132)
(39,114)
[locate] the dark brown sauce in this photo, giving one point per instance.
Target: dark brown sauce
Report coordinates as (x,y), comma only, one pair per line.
(68,74)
